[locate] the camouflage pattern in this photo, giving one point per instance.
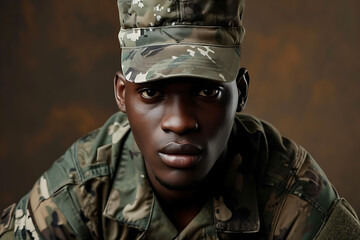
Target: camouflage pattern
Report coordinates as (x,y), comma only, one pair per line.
(179,38)
(270,188)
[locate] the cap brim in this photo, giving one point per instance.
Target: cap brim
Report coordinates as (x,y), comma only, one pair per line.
(150,63)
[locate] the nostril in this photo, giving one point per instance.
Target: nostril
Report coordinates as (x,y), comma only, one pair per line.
(179,125)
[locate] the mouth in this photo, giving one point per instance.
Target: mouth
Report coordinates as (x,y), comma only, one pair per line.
(181,156)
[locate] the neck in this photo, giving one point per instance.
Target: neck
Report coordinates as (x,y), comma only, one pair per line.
(201,191)
(175,196)
(182,205)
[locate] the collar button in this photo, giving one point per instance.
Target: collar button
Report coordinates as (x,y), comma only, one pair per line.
(221,226)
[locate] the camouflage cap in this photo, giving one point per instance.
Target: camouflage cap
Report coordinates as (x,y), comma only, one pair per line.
(176,38)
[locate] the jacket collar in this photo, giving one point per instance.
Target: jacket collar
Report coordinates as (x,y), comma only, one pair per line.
(131,197)
(133,203)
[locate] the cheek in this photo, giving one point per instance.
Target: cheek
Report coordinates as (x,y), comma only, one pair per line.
(218,120)
(218,125)
(143,121)
(219,130)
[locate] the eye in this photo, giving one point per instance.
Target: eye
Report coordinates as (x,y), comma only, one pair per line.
(150,93)
(209,92)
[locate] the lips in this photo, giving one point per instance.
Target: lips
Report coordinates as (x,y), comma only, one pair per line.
(177,155)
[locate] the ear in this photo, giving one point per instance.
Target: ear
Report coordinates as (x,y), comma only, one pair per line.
(242,82)
(119,90)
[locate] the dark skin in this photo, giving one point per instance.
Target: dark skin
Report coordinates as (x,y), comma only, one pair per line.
(181,126)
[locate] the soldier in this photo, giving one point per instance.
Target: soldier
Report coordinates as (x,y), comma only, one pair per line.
(179,161)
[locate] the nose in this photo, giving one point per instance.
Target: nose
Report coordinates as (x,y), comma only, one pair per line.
(179,117)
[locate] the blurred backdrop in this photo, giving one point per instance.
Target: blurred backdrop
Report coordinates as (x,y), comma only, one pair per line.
(58,59)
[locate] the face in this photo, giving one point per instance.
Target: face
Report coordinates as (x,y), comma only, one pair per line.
(181,127)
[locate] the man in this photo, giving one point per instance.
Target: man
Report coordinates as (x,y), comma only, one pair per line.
(178,162)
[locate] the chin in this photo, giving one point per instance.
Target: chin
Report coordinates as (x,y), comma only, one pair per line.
(179,186)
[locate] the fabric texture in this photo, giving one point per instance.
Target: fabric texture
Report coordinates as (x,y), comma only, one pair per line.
(342,223)
(269,188)
(163,39)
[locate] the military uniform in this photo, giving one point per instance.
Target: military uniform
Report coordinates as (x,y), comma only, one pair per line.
(269,188)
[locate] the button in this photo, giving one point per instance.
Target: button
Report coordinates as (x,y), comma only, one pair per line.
(72,175)
(221,226)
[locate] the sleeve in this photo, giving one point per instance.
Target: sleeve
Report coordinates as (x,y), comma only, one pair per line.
(55,207)
(7,223)
(16,222)
(311,208)
(342,223)
(49,210)
(41,216)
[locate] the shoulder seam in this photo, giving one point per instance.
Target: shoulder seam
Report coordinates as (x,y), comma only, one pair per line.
(76,162)
(301,155)
(299,160)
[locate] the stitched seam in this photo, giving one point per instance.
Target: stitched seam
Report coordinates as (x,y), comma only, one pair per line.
(300,156)
(311,202)
(76,162)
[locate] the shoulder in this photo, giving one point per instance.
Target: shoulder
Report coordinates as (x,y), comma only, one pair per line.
(294,194)
(75,186)
(89,157)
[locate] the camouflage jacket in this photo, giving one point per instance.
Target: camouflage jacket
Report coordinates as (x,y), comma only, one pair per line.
(271,189)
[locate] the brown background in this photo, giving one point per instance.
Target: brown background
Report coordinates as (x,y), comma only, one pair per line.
(58,58)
